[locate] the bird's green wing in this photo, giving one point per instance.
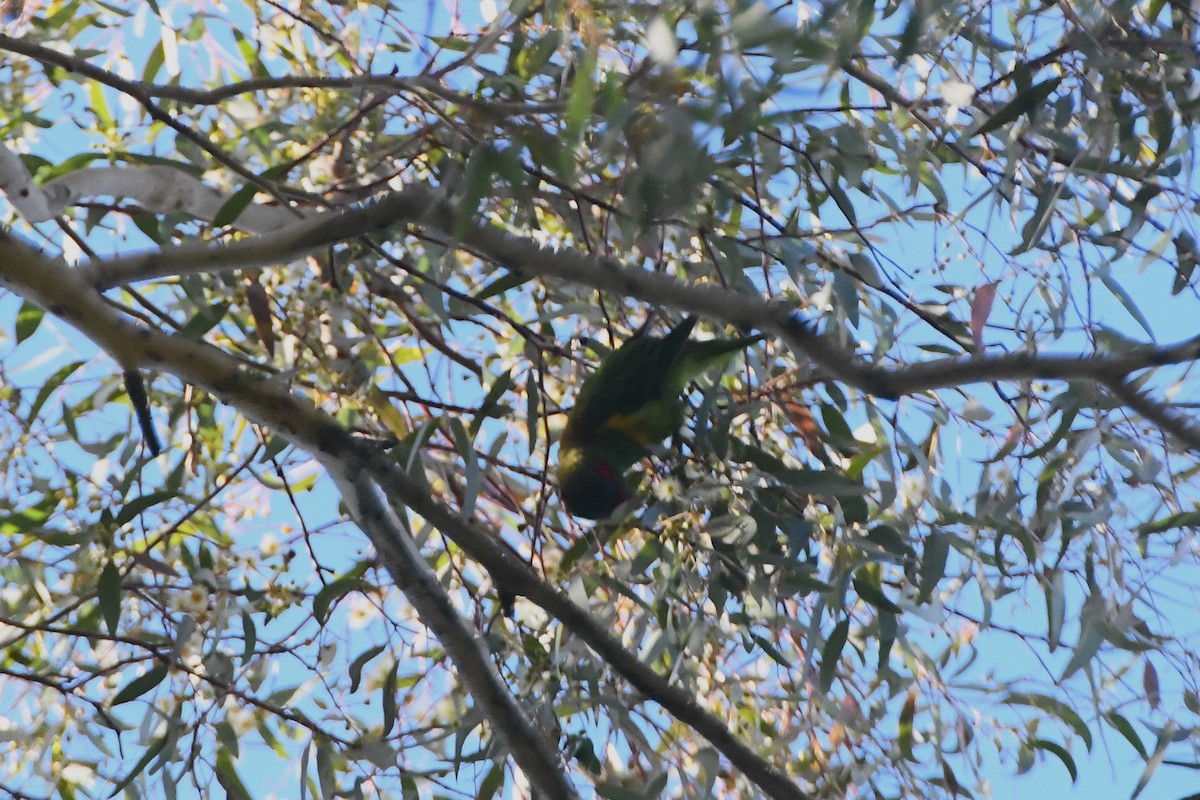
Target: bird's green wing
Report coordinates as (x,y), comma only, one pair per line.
(636,375)
(699,357)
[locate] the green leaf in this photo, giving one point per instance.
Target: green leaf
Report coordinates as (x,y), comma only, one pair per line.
(529,59)
(472,475)
(889,628)
(335,590)
(867,583)
(150,225)
(326,773)
(1035,226)
(1056,608)
(482,165)
(1025,102)
(232,208)
(1184,519)
(615,791)
(140,685)
(457,44)
(846,289)
(1064,427)
(228,778)
(502,284)
(579,108)
(491,783)
(249,50)
(810,481)
(99,106)
(1165,737)
(933,563)
(108,594)
(49,172)
(151,752)
(29,520)
(275,446)
(772,651)
(842,200)
(204,320)
(1126,300)
(1053,706)
(1123,727)
(389,699)
(1090,639)
(136,506)
(249,636)
(532,409)
(889,539)
(831,653)
(853,509)
(29,317)
(837,430)
(732,529)
(911,34)
(1063,755)
(53,382)
(1185,258)
(356,667)
(1163,129)
(154,62)
(491,407)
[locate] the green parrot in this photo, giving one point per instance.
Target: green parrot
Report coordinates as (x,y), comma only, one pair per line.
(631,402)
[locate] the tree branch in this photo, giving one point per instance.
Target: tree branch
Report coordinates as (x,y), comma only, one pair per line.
(434,607)
(509,570)
(136,90)
(427,207)
(1156,412)
(63,292)
(208,97)
(59,289)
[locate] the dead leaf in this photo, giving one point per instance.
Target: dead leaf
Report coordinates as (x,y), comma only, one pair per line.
(260,309)
(1150,684)
(981,308)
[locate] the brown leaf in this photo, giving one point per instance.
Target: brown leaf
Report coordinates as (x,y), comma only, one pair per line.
(837,735)
(803,420)
(1150,684)
(849,711)
(260,308)
(981,308)
(906,725)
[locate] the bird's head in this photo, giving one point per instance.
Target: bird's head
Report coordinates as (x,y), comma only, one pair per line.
(588,484)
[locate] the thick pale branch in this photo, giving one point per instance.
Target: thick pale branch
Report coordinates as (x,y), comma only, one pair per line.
(157,188)
(18,185)
(63,292)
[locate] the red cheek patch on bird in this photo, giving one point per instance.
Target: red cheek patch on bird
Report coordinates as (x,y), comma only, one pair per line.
(608,476)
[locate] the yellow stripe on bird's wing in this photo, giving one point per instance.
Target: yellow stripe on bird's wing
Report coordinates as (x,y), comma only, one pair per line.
(630,426)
